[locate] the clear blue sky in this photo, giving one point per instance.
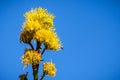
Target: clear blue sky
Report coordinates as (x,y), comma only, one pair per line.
(89,31)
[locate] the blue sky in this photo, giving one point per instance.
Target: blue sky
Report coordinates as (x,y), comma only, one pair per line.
(88,29)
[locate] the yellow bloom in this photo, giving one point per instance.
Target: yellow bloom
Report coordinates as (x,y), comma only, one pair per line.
(31,57)
(49,68)
(49,38)
(38,18)
(31,26)
(26,36)
(39,26)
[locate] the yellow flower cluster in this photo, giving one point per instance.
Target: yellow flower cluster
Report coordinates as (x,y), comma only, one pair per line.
(38,18)
(49,38)
(49,69)
(39,26)
(31,57)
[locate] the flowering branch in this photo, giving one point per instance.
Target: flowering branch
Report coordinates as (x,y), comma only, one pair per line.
(39,26)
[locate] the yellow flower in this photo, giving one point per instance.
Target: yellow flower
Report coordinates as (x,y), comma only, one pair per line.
(39,26)
(49,69)
(31,26)
(49,38)
(26,36)
(38,18)
(31,57)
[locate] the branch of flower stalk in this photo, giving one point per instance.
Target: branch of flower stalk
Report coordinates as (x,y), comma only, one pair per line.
(43,51)
(31,45)
(38,46)
(43,75)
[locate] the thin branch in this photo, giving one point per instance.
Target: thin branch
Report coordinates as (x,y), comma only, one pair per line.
(43,51)
(43,75)
(31,45)
(38,46)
